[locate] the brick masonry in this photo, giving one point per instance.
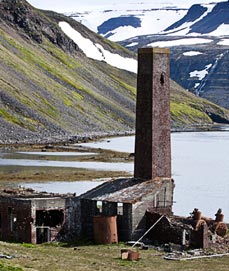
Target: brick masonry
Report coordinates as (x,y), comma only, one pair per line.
(152,143)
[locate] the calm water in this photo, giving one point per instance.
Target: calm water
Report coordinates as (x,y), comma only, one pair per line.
(200,163)
(200,168)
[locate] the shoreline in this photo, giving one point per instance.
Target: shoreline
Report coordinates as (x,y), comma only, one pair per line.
(86,137)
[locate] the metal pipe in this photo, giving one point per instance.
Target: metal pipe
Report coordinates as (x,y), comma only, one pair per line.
(148,231)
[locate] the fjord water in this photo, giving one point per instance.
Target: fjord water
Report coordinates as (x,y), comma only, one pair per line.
(200,168)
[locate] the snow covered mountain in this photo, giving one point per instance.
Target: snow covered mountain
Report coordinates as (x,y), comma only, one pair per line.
(197,33)
(129,21)
(211,19)
(199,44)
(125,20)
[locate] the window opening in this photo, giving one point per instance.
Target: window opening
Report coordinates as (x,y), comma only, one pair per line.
(120,208)
(162,79)
(50,218)
(99,205)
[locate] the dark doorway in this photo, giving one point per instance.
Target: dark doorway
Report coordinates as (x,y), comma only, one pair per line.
(43,234)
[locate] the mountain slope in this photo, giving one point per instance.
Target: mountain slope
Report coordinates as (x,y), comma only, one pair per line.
(48,85)
(50,90)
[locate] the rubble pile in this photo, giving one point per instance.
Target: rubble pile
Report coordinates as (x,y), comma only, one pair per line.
(195,231)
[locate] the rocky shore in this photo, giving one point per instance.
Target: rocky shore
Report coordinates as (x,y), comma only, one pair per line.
(11,136)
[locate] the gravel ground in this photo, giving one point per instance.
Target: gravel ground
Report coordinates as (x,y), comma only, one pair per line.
(9,135)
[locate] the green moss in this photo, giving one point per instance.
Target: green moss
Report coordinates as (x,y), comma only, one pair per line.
(30,123)
(77,96)
(125,85)
(28,245)
(8,117)
(4,267)
(117,46)
(187,114)
(61,56)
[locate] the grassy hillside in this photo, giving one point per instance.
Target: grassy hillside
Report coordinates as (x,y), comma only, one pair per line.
(50,90)
(190,111)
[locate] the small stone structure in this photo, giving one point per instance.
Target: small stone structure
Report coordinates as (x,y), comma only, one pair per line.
(27,216)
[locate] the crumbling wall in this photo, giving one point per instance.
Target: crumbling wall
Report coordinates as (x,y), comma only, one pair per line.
(161,202)
(72,227)
(165,231)
(125,223)
(16,220)
(45,205)
(88,211)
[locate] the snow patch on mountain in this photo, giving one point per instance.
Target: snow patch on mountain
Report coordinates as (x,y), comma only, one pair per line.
(222,30)
(179,42)
(96,51)
(192,53)
(224,42)
(201,74)
(213,20)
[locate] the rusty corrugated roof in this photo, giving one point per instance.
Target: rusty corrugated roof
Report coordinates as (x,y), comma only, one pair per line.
(126,190)
(28,193)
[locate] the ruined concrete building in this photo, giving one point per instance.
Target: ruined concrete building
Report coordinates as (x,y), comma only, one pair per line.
(26,216)
(45,217)
(128,200)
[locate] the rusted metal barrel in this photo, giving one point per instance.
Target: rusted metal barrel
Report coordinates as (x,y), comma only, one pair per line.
(197,215)
(219,218)
(105,229)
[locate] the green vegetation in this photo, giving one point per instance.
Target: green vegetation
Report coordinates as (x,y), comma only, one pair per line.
(5,267)
(8,117)
(97,257)
(185,113)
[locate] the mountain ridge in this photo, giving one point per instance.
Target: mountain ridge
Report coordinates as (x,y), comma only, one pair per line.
(51,91)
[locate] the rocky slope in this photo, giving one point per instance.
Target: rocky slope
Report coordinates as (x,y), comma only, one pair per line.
(51,91)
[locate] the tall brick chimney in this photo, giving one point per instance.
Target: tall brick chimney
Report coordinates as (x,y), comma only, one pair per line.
(152,142)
